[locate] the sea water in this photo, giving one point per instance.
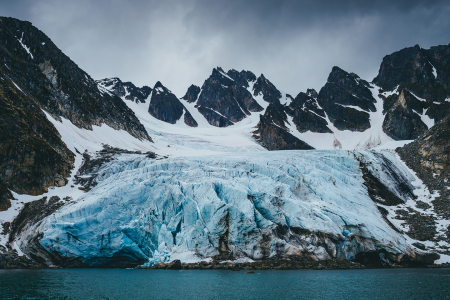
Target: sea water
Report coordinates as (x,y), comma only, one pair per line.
(223,284)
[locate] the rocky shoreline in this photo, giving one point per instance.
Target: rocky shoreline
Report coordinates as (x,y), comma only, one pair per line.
(10,259)
(332,264)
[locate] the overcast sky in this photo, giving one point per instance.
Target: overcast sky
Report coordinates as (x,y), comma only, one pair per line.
(293,43)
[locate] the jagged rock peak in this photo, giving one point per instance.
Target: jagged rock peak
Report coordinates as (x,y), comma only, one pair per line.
(159,87)
(265,88)
(64,90)
(243,77)
(272,133)
(219,75)
(125,90)
(192,93)
(407,66)
(38,77)
(223,101)
(346,99)
(306,113)
(312,93)
(424,73)
(346,79)
(165,106)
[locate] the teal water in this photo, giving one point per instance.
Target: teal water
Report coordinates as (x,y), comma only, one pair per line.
(221,284)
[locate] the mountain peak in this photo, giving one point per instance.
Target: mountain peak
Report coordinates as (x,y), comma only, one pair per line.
(312,93)
(243,77)
(192,93)
(263,86)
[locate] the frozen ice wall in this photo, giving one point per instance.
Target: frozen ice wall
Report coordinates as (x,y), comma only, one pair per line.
(144,211)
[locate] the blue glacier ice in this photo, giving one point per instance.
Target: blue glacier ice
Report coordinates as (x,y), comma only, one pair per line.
(252,205)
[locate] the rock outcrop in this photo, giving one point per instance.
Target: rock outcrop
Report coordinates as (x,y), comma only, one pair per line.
(192,94)
(36,75)
(272,132)
(166,107)
(5,197)
(223,101)
(425,73)
(32,155)
(346,99)
(125,90)
(57,84)
(243,77)
(306,113)
(265,88)
(429,157)
(401,122)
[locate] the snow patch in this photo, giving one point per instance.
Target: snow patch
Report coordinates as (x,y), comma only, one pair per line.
(25,46)
(434,70)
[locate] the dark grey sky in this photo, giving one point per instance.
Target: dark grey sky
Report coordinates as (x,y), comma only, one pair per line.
(294,43)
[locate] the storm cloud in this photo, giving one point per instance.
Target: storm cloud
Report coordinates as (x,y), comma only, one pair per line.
(294,43)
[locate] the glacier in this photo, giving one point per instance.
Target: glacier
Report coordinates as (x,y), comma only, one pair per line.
(143,211)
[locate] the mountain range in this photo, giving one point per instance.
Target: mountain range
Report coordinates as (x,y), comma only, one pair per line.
(105,173)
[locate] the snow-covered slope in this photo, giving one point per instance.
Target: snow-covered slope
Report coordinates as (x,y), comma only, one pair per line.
(208,139)
(374,137)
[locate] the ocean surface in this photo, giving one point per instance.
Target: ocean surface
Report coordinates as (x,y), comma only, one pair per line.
(221,284)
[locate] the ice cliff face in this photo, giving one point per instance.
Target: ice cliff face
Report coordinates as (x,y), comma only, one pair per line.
(276,204)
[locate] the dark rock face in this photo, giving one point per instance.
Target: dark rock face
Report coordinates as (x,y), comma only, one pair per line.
(272,133)
(10,259)
(343,118)
(5,197)
(355,86)
(189,119)
(439,56)
(401,123)
(243,77)
(214,118)
(408,66)
(32,155)
(412,69)
(166,107)
(342,91)
(192,94)
(307,116)
(223,101)
(267,89)
(58,84)
(126,89)
(312,93)
(411,102)
(36,75)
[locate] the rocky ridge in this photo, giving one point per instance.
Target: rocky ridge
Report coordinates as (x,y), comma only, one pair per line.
(125,89)
(35,77)
(428,156)
(166,107)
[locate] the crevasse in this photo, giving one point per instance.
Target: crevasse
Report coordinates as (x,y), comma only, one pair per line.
(280,203)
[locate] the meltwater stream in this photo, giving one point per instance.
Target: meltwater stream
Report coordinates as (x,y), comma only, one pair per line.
(222,284)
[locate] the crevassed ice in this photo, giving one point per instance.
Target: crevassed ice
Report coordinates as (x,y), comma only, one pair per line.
(157,210)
